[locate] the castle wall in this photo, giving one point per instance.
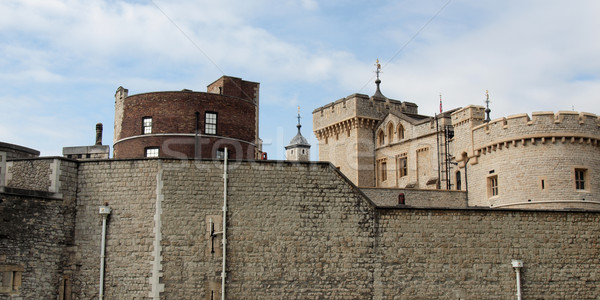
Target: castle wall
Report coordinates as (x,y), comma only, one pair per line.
(466,254)
(295,230)
(36,233)
(416,197)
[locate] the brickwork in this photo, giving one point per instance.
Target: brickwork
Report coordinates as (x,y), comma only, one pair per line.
(294,230)
(177,115)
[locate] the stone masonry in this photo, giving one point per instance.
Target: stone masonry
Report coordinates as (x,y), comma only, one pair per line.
(294,230)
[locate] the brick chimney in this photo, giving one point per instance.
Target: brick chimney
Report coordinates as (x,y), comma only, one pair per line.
(99,134)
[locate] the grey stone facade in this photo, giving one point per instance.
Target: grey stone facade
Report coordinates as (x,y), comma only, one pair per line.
(294,230)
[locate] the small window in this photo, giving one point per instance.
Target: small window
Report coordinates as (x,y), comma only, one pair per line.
(402,165)
(381,138)
(390,132)
(492,186)
(10,278)
(210,123)
(400,132)
(458,181)
(151,152)
(302,151)
(147,125)
(383,170)
(220,154)
(580,179)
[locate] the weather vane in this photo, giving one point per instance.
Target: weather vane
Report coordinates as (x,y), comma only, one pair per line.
(487,105)
(298,114)
(378,67)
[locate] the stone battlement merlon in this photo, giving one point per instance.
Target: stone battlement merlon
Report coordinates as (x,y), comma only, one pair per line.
(542,126)
(359,105)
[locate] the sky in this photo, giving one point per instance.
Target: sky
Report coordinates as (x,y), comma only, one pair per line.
(61,61)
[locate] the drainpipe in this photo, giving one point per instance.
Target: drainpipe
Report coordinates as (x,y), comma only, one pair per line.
(517,265)
(224,239)
(437,137)
(196,154)
(104,212)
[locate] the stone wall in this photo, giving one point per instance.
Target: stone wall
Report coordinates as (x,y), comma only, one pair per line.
(294,230)
(302,230)
(417,197)
(31,174)
(36,230)
(466,254)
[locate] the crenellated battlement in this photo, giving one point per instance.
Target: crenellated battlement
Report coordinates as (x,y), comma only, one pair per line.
(541,125)
(361,106)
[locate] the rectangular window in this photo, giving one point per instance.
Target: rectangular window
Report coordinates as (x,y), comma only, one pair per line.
(402,165)
(382,169)
(580,179)
(146,125)
(10,278)
(151,152)
(492,186)
(210,123)
(220,154)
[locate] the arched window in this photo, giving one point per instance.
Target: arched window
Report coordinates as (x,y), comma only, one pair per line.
(390,132)
(458,181)
(380,138)
(400,132)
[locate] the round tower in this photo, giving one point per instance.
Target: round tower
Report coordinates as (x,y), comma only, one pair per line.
(299,148)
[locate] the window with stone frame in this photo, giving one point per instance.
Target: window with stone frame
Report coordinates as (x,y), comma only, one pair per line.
(146,125)
(492,186)
(400,132)
(10,279)
(402,165)
(380,138)
(390,132)
(382,169)
(581,181)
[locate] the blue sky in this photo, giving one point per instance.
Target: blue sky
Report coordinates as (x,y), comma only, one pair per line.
(61,61)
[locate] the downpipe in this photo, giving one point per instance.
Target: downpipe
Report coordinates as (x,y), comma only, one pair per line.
(104,212)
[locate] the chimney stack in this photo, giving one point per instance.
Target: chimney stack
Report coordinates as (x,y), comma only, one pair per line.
(99,134)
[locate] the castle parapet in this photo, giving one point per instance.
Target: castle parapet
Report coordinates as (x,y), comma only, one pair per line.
(541,126)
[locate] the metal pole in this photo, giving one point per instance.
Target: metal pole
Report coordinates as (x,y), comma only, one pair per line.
(104,211)
(224,239)
(437,137)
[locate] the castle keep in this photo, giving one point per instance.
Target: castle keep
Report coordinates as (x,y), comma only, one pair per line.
(546,160)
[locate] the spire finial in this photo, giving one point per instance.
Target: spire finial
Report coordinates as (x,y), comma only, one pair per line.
(377,81)
(487,106)
(298,119)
